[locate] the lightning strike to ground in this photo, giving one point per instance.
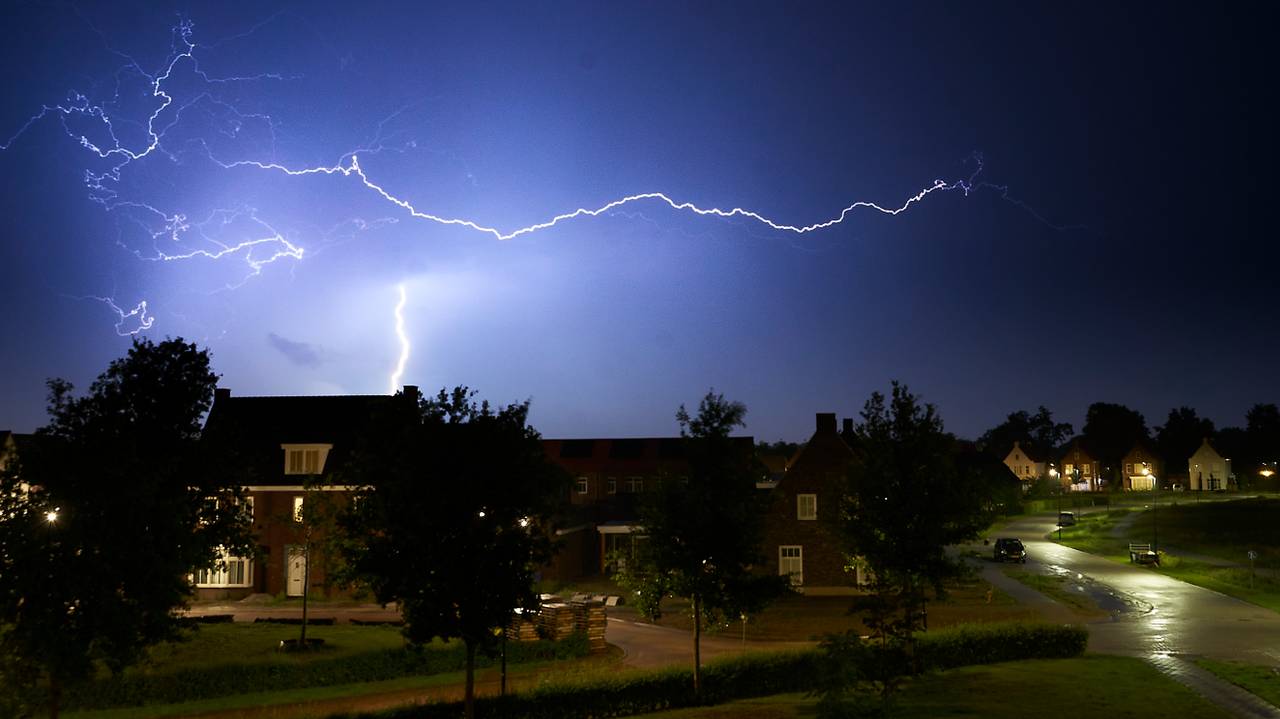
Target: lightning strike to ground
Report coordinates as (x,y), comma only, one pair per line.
(398,373)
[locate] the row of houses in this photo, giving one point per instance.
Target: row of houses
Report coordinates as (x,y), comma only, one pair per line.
(1079,469)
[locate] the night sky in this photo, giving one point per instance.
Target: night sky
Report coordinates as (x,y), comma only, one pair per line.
(1130,260)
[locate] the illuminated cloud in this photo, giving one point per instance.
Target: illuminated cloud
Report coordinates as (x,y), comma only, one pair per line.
(299,353)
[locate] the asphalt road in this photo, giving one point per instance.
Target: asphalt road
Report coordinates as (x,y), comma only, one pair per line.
(1155,616)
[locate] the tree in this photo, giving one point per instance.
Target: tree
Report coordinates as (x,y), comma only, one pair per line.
(905,502)
(453,518)
(1262,425)
(708,555)
(1180,436)
(1110,431)
(111,508)
(1037,433)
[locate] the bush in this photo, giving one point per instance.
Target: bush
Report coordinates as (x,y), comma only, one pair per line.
(135,689)
(992,643)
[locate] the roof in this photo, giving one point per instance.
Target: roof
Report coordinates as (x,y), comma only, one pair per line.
(633,452)
(1032,454)
(259,425)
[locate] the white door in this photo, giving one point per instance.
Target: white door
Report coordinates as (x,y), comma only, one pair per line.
(295,572)
(791,561)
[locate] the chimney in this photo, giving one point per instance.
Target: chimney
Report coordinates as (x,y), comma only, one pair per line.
(848,426)
(411,394)
(221,394)
(827,422)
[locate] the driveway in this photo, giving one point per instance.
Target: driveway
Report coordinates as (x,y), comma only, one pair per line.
(649,645)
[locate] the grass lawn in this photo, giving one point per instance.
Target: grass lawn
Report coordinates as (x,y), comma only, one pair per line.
(1092,533)
(214,644)
(1260,680)
(1093,685)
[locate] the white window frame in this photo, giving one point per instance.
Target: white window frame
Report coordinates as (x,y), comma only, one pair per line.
(612,485)
(635,485)
(786,560)
(217,577)
(305,459)
(583,485)
(298,501)
(811,515)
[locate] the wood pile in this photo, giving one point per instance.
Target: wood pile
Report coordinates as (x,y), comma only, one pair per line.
(590,619)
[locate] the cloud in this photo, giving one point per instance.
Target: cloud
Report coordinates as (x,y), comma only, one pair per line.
(299,353)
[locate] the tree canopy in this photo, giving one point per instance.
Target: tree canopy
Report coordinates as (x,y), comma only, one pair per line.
(1110,431)
(1037,433)
(453,518)
(1179,437)
(704,535)
(106,514)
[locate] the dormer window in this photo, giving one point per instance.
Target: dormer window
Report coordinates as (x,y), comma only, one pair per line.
(305,459)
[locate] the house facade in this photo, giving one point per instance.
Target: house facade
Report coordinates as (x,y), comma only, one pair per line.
(289,449)
(1023,465)
(799,532)
(1080,469)
(1141,469)
(1207,469)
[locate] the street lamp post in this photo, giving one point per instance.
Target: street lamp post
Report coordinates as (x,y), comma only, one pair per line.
(1057,492)
(1155,510)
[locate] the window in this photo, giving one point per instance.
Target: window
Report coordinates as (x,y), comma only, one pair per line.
(229,572)
(1068,469)
(248,509)
(635,484)
(613,485)
(806,506)
(583,485)
(303,461)
(791,562)
(1128,468)
(297,509)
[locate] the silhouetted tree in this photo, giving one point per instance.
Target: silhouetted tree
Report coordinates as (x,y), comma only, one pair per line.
(1037,433)
(1110,431)
(453,518)
(124,502)
(1179,437)
(1263,429)
(704,535)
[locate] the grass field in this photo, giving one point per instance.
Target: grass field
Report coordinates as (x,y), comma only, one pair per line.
(214,644)
(1093,685)
(1217,529)
(1262,681)
(1056,587)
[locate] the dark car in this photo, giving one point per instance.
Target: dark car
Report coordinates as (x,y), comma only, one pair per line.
(1066,519)
(1009,549)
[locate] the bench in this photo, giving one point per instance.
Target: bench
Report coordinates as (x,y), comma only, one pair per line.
(1142,554)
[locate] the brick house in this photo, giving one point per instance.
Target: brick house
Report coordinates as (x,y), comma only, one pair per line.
(286,445)
(1141,468)
(1081,469)
(799,538)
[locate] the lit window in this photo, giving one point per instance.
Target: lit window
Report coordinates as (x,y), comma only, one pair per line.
(303,461)
(228,572)
(806,506)
(297,509)
(583,485)
(791,563)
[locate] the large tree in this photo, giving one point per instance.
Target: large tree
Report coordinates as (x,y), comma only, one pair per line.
(906,502)
(1180,436)
(109,510)
(1037,433)
(705,533)
(1110,431)
(1263,440)
(453,518)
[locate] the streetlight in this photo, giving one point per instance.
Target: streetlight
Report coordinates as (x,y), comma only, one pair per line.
(1057,492)
(1155,506)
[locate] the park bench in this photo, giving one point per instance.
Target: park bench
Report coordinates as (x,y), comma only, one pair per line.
(1142,554)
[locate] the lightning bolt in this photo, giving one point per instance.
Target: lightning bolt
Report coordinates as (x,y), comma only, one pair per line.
(142,321)
(398,373)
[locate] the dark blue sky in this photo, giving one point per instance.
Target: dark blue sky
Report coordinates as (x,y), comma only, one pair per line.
(1149,126)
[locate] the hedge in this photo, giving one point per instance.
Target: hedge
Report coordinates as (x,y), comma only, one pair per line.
(750,675)
(230,679)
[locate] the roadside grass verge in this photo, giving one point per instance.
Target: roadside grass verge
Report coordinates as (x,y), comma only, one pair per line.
(1117,686)
(1264,682)
(1057,587)
(1092,533)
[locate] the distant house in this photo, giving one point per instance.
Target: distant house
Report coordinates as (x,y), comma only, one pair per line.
(1208,470)
(798,536)
(1141,468)
(602,521)
(1080,467)
(1024,465)
(287,446)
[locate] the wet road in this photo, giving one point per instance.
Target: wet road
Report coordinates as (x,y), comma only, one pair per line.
(1155,615)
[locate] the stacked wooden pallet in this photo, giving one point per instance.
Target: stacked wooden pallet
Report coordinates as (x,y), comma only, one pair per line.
(522,629)
(589,619)
(556,620)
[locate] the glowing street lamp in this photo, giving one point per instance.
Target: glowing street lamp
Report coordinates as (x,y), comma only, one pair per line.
(1155,517)
(51,516)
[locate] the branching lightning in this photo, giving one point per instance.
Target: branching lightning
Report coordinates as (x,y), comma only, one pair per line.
(175,238)
(398,373)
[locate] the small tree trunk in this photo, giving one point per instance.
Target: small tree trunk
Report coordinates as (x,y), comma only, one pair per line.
(306,584)
(470,696)
(697,645)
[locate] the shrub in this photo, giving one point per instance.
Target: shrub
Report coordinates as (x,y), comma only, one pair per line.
(992,643)
(136,689)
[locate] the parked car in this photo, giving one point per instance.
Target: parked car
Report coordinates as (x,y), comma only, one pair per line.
(1009,549)
(1066,519)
